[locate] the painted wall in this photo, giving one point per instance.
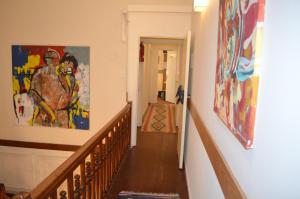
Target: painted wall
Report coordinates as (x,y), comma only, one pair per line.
(272,168)
(66,23)
(162,2)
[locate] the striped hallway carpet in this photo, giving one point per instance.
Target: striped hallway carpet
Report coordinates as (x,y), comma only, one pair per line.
(160,118)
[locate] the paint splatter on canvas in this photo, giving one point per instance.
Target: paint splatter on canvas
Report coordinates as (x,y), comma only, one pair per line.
(239,49)
(51,86)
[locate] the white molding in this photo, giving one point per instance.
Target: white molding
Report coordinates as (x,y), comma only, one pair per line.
(159,9)
(15,189)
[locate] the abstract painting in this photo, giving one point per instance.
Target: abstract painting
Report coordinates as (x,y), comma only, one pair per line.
(51,86)
(238,61)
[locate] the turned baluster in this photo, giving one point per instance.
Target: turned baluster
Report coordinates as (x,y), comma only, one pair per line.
(63,194)
(89,179)
(97,166)
(122,139)
(83,180)
(77,191)
(104,159)
(102,168)
(109,154)
(114,153)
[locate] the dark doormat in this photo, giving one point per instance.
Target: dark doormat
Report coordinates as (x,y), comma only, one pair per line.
(136,195)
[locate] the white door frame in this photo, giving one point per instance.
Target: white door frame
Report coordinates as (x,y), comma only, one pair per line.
(155,22)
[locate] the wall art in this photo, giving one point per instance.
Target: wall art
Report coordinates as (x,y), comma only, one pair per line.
(51,86)
(238,61)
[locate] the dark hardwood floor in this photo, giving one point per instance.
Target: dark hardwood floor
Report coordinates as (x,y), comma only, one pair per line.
(151,166)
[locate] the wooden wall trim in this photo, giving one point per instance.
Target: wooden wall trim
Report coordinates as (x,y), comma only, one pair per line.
(39,145)
(228,183)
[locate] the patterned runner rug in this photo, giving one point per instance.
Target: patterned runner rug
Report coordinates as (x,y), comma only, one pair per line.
(160,118)
(134,195)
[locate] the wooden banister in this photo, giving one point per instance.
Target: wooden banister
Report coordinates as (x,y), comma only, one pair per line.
(88,173)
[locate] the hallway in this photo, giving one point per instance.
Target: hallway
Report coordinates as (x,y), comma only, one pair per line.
(159,117)
(151,166)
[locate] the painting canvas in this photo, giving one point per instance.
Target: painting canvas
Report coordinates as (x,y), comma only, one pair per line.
(51,86)
(238,62)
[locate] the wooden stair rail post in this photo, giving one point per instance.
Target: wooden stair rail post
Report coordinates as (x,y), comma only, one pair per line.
(2,191)
(97,162)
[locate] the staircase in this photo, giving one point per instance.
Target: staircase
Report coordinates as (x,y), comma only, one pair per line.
(90,171)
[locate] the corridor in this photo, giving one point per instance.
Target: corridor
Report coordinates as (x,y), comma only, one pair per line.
(151,166)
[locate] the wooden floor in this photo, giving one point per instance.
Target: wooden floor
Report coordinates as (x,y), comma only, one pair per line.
(151,166)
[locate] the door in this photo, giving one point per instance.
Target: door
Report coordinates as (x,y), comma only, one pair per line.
(140,93)
(184,79)
(171,76)
(153,74)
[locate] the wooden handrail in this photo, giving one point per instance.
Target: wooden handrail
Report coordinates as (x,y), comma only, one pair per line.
(228,183)
(39,145)
(88,172)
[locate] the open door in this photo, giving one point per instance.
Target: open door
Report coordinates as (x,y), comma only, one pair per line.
(182,108)
(171,75)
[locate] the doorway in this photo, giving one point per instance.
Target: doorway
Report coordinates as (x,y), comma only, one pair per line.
(159,79)
(154,22)
(162,78)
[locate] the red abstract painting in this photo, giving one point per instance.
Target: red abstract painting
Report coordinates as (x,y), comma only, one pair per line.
(238,60)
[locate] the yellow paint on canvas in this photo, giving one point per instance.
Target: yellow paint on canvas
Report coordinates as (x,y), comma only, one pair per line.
(35,113)
(27,83)
(258,40)
(57,70)
(255,81)
(16,85)
(19,70)
(238,95)
(85,114)
(77,112)
(71,123)
(33,62)
(68,81)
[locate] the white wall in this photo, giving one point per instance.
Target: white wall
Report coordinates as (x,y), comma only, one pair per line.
(201,179)
(272,168)
(21,170)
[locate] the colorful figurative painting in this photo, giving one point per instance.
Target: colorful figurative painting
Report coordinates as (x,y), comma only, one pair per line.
(238,61)
(51,86)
